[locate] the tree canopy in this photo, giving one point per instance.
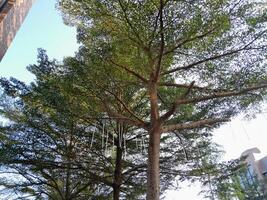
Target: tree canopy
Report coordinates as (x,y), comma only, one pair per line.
(167,71)
(198,62)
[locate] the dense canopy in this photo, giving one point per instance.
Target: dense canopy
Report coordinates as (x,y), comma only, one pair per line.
(166,72)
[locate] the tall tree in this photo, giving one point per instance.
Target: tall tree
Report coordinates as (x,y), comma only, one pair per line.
(45,146)
(64,148)
(198,62)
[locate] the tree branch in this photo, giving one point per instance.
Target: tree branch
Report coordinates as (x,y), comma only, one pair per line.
(220,95)
(174,106)
(126,107)
(129,22)
(215,57)
(122,118)
(193,125)
(162,41)
(202,61)
(168,84)
(183,42)
(130,71)
(154,30)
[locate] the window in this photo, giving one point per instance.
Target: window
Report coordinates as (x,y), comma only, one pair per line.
(247,177)
(250,175)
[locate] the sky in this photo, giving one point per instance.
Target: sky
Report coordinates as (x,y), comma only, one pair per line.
(44,28)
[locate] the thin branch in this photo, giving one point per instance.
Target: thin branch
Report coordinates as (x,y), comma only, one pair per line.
(161,99)
(181,141)
(183,42)
(202,61)
(220,95)
(174,106)
(215,57)
(193,125)
(130,71)
(168,84)
(188,89)
(129,22)
(122,118)
(126,107)
(135,168)
(154,30)
(162,41)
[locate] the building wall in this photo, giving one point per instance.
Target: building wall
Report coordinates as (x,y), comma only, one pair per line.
(259,166)
(11,17)
(252,161)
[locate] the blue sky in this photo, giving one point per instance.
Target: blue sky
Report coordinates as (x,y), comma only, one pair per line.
(44,28)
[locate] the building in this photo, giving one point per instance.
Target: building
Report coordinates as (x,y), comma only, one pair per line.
(257,168)
(255,174)
(244,179)
(12,15)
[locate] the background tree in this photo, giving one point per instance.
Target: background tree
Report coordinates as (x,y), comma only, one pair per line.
(58,149)
(199,63)
(45,146)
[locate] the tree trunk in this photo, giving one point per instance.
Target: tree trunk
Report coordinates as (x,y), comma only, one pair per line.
(117,174)
(153,176)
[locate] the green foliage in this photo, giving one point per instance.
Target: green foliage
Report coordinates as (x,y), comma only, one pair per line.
(177,67)
(240,184)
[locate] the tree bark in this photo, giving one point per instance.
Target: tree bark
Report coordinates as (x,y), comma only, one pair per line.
(153,175)
(117,174)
